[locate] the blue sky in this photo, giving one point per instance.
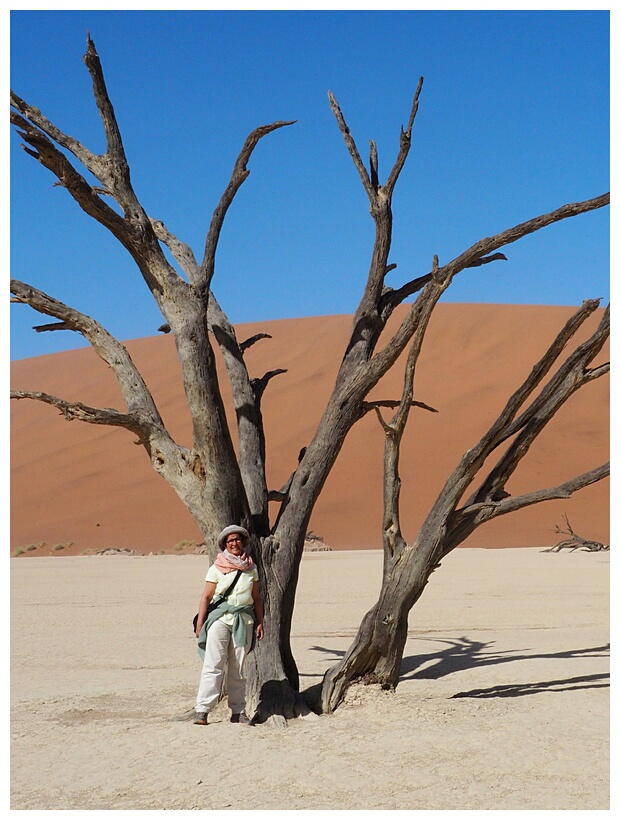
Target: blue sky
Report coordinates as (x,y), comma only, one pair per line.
(513,122)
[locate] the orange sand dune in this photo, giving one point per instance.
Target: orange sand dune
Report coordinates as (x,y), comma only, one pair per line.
(94,487)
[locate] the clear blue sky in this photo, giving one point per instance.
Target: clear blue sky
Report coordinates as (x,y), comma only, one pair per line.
(513,122)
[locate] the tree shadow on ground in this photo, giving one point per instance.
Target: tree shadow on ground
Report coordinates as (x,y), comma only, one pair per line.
(332,656)
(518,689)
(462,653)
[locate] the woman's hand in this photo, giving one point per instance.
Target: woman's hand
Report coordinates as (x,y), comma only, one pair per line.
(260,632)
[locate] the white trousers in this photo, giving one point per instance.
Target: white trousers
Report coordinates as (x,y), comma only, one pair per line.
(220,651)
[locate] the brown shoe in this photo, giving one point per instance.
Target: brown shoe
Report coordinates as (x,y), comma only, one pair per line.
(241,717)
(200,719)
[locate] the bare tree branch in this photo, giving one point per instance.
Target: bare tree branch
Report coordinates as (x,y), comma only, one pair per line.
(133,388)
(405,143)
(374,166)
(476,252)
(252,340)
(505,426)
(478,513)
(507,464)
(352,147)
(180,251)
(377,302)
(117,176)
(259,385)
(92,415)
(485,246)
(239,175)
(89,160)
(51,327)
(368,406)
(393,297)
(134,231)
(136,235)
(491,499)
(55,161)
(574,372)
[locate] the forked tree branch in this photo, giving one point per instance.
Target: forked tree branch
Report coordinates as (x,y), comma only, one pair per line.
(574,370)
(391,298)
(133,230)
(378,302)
(368,321)
(405,143)
(352,148)
(117,176)
(480,250)
(371,182)
(464,521)
(44,150)
(133,388)
(571,375)
(491,499)
(182,252)
(89,160)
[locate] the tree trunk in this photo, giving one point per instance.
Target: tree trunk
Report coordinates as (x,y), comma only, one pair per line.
(272,689)
(376,653)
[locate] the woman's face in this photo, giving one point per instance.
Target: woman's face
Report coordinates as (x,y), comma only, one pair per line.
(234,544)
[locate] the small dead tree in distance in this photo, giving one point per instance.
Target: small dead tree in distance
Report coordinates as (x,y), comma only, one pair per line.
(216,486)
(574,541)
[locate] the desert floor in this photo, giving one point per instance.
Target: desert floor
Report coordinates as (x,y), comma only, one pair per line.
(503,701)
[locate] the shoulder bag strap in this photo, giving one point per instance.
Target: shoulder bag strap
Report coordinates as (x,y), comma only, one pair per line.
(230,587)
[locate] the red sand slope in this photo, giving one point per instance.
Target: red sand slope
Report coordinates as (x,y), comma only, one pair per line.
(92,486)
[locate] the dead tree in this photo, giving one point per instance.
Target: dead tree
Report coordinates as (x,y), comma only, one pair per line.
(217,486)
(575,542)
(375,654)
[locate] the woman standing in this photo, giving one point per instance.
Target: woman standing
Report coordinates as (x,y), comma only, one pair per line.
(225,633)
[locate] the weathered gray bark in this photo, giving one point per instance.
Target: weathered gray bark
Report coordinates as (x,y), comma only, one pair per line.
(217,486)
